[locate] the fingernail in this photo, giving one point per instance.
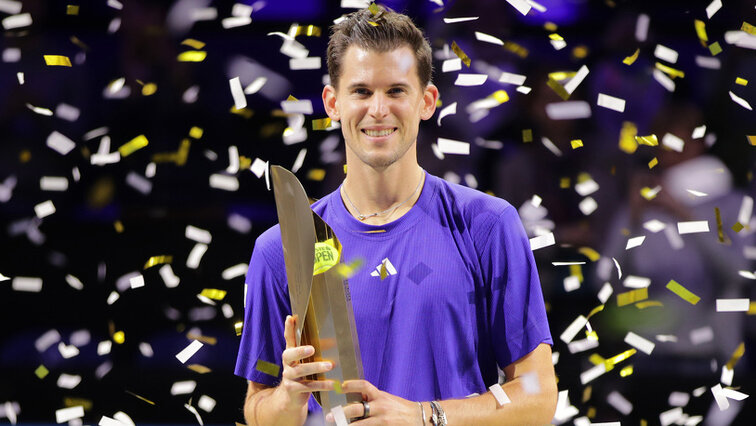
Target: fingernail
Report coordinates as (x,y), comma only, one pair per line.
(329,417)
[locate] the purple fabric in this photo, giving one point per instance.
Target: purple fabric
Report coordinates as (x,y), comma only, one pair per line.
(465,296)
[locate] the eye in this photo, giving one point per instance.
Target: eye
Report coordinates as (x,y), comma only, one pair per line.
(396,91)
(361,91)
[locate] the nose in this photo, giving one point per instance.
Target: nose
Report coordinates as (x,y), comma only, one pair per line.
(378,106)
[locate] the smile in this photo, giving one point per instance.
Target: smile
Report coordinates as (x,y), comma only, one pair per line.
(379,133)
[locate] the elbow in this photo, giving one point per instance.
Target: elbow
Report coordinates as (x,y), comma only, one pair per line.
(548,402)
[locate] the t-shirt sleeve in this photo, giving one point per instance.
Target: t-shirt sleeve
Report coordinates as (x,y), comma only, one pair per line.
(517,315)
(266,307)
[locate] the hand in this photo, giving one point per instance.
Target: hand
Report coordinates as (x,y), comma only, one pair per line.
(297,389)
(385,409)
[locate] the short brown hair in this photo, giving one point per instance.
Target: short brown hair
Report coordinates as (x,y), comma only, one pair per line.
(383,31)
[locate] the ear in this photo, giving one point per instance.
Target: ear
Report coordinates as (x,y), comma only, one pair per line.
(330,103)
(430,97)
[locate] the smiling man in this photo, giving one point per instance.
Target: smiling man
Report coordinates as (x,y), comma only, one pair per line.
(450,291)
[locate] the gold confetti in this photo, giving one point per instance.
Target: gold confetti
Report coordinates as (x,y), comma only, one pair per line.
(348,271)
(587,393)
(183,152)
(564,182)
(650,140)
(118,225)
(244,162)
(701,31)
(654,161)
(24,156)
(72,9)
(157,260)
(307,30)
(595,310)
(632,58)
(375,24)
(204,339)
(752,308)
(683,292)
(591,335)
(558,88)
(750,29)
(133,145)
(632,296)
(672,72)
(149,89)
(41,371)
(550,26)
(316,174)
(373,8)
(649,304)
(238,326)
(580,52)
(196,132)
(626,371)
(460,54)
(751,139)
(500,96)
(556,37)
(739,351)
(321,123)
(715,48)
(119,337)
(213,293)
(75,40)
(527,135)
(596,359)
(737,227)
(384,271)
(337,387)
(611,362)
(741,81)
(345,169)
(577,271)
(576,143)
(192,56)
(627,141)
(590,253)
(291,98)
(198,368)
(267,367)
(57,60)
(720,231)
(649,193)
(515,48)
(591,413)
(140,397)
(195,44)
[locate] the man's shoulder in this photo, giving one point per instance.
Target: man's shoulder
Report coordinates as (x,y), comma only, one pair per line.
(470,202)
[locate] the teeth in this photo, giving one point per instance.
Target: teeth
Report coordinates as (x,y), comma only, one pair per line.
(378,133)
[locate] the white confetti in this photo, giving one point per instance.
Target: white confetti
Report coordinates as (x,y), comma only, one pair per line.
(189,351)
(568,110)
(309,63)
(447,110)
(259,167)
(241,9)
(551,146)
(707,62)
(592,373)
(746,210)
(255,86)
(571,283)
(233,160)
(68,381)
(644,345)
(463,19)
(53,183)
(577,79)
(299,161)
(641,27)
(11,54)
(464,79)
(139,182)
(673,142)
(169,278)
(488,38)
(727,376)
(206,403)
(183,388)
(633,281)
(701,335)
(104,347)
(236,21)
(107,421)
(654,225)
(672,416)
(44,209)
(499,394)
(583,345)
(449,146)
(611,102)
(450,65)
(224,182)
(46,340)
(733,305)
(112,297)
(234,271)
(572,330)
(665,53)
(713,7)
(137,281)
(678,399)
(699,132)
(605,293)
(635,242)
(733,394)
(67,414)
(542,241)
(303,106)
(195,256)
(198,235)
(60,143)
(28,284)
(719,397)
(522,6)
(67,351)
(619,402)
(240,101)
(664,80)
(67,112)
(692,227)
(10,7)
(511,78)
(740,101)
(17,21)
(586,187)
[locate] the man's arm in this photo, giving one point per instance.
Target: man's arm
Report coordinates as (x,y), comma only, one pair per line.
(536,408)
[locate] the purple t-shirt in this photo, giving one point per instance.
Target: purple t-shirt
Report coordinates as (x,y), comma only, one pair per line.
(460,294)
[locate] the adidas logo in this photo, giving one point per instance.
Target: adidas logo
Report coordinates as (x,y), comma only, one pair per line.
(384,269)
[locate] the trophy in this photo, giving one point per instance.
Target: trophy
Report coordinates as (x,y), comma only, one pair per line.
(318,293)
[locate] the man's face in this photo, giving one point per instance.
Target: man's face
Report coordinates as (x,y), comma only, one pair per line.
(380,103)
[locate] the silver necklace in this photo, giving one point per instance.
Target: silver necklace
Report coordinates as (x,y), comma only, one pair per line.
(362,217)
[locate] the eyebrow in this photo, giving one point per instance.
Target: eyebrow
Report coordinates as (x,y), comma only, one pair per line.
(361,85)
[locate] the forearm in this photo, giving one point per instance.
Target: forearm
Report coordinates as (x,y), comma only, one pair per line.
(268,407)
(524,408)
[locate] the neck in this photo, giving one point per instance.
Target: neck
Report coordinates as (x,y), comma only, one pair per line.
(375,190)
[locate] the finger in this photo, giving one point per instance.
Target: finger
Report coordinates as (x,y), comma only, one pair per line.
(351,411)
(307,386)
(290,331)
(364,387)
(294,354)
(310,368)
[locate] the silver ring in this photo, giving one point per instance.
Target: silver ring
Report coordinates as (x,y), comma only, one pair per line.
(366,406)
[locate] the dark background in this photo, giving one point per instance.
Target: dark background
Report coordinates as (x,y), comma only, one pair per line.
(80,238)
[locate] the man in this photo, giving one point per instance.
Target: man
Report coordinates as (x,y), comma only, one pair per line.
(455,291)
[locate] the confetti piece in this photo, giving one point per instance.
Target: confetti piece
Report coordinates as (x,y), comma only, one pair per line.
(57,60)
(576,80)
(259,167)
(297,106)
(740,101)
(60,143)
(664,80)
(719,397)
(195,44)
(238,327)
(701,335)
(68,381)
(605,293)
(551,146)
(10,7)
(572,330)
(650,193)
(189,351)
(588,205)
(708,62)
(169,278)
(527,135)
(558,88)
(727,376)
(632,296)
(640,343)
(449,146)
(17,21)
(213,293)
(206,403)
(72,9)
(458,20)
(522,6)
(470,79)
(733,305)
(649,304)
(683,292)
(692,227)
(619,402)
(715,48)
(137,281)
(542,241)
(224,182)
(511,78)
(448,110)
(665,53)
(633,281)
(673,142)
(67,414)
(488,38)
(338,415)
(499,394)
(240,101)
(267,367)
(236,21)
(586,186)
(321,123)
(568,110)
(713,8)
(200,369)
(192,56)
(44,209)
(461,54)
(634,242)
(672,72)
(133,145)
(183,387)
(195,256)
(733,394)
(592,373)
(611,102)
(309,63)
